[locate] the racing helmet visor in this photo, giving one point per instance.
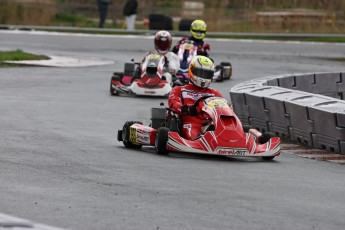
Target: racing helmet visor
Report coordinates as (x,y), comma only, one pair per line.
(203,73)
(199,33)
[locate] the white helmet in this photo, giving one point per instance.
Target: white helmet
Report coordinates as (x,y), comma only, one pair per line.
(201,71)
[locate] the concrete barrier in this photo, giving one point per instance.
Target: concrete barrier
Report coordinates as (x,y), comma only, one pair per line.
(307,108)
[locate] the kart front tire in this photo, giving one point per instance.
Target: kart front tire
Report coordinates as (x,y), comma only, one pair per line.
(266,137)
(268,158)
(126,134)
(161,141)
(246,128)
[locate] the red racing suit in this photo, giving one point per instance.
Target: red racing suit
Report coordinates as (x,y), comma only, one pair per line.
(203,48)
(187,95)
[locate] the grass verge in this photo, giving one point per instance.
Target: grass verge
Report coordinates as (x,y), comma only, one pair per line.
(18,55)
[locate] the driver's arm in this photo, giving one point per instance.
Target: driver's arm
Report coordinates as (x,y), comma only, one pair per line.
(175,100)
(177,46)
(216,93)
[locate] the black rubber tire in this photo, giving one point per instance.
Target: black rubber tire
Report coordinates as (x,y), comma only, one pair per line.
(265,137)
(160,22)
(246,128)
(125,135)
(184,24)
(161,141)
(268,158)
(225,64)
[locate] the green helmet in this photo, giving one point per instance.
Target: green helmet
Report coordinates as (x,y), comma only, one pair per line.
(198,29)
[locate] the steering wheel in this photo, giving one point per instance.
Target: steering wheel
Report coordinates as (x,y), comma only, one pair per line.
(202,98)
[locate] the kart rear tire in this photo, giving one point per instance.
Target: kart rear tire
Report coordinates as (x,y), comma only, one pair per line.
(226,65)
(161,141)
(126,134)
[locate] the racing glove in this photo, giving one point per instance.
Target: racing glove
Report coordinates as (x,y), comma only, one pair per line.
(189,110)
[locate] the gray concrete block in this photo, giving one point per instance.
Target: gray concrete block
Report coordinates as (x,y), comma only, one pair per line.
(341,119)
(239,105)
(335,95)
(259,124)
(276,111)
(326,142)
(297,108)
(256,103)
(341,84)
(301,136)
(275,105)
(278,129)
(244,119)
(326,83)
(304,83)
(281,104)
(287,82)
(273,82)
(342,147)
(325,116)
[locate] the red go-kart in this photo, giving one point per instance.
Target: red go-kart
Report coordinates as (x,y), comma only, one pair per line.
(223,134)
(143,79)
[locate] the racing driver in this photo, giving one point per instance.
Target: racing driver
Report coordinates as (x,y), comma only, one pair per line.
(162,42)
(182,98)
(198,33)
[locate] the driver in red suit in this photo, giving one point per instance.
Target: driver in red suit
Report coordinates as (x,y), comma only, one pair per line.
(182,98)
(198,33)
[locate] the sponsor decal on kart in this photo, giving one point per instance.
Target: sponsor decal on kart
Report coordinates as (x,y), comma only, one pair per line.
(143,138)
(154,56)
(188,46)
(133,134)
(137,135)
(217,103)
(231,151)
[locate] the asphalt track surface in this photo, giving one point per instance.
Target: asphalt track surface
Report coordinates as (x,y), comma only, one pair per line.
(60,163)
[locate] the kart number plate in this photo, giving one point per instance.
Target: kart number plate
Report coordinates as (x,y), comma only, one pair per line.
(188,47)
(154,56)
(217,103)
